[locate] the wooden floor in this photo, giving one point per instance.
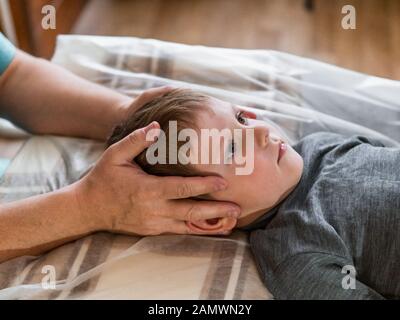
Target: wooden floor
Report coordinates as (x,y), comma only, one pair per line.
(285,25)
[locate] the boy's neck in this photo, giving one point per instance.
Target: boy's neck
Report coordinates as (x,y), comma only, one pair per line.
(250,218)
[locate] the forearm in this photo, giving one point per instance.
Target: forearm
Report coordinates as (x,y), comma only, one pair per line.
(38,224)
(43,98)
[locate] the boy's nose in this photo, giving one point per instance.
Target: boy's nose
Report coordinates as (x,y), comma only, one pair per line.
(261,134)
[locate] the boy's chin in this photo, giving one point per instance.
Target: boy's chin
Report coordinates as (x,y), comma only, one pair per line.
(295,165)
(299,167)
(247,218)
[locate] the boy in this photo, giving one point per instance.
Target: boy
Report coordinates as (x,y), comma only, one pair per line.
(324,215)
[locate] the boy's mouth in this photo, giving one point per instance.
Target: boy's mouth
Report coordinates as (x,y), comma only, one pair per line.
(282,150)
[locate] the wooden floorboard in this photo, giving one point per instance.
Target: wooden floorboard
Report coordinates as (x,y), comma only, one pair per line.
(285,25)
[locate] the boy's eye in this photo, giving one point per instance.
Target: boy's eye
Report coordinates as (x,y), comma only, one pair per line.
(241,118)
(231,149)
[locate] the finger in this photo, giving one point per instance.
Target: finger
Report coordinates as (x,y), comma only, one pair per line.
(185,187)
(133,144)
(195,210)
(179,227)
(150,94)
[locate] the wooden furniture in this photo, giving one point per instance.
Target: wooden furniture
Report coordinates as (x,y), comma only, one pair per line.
(27,18)
(284,25)
(309,5)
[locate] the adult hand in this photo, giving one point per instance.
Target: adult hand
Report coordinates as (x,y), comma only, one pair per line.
(116,195)
(119,197)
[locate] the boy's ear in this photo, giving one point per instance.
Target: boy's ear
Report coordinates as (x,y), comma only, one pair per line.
(215,225)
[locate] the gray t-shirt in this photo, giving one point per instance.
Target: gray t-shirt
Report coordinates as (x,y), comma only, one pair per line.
(345,212)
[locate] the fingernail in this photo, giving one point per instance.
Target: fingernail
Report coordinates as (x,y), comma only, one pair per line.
(152,125)
(153,134)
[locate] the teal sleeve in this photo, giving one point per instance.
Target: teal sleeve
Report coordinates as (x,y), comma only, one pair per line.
(7,52)
(3,165)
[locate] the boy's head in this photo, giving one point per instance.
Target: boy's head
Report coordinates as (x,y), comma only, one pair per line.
(276,169)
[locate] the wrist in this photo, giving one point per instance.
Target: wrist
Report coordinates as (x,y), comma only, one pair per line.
(122,109)
(87,211)
(119,112)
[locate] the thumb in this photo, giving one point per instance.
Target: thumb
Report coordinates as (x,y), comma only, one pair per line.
(134,143)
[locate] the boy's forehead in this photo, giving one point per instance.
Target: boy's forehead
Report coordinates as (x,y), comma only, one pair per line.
(218,115)
(220,105)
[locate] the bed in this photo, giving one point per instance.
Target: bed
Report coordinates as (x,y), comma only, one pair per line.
(298,95)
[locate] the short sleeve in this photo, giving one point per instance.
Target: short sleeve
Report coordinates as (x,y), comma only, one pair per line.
(7,53)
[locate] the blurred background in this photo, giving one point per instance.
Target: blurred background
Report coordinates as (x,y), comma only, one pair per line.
(310,28)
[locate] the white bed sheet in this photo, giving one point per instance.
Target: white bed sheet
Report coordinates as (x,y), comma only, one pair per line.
(298,95)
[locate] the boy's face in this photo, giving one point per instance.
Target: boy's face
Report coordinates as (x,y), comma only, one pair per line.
(277,166)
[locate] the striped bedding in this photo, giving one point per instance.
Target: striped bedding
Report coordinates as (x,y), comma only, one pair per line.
(299,95)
